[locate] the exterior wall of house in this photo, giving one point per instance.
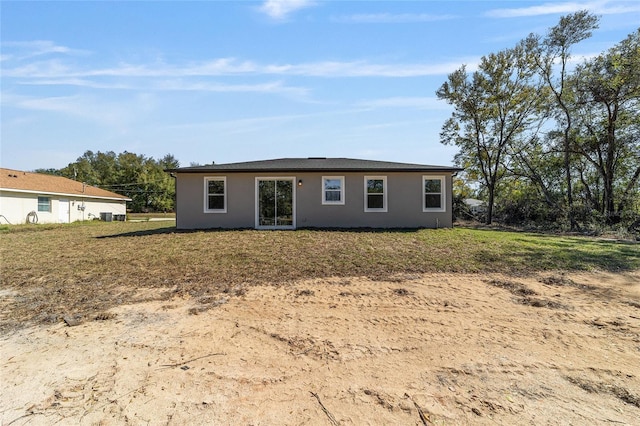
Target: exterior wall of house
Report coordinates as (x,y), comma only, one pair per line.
(15,206)
(190,202)
(404,202)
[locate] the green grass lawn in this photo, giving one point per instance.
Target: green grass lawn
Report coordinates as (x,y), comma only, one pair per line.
(90,266)
(147,216)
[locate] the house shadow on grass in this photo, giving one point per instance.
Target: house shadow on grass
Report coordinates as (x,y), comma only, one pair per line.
(174,230)
(145,232)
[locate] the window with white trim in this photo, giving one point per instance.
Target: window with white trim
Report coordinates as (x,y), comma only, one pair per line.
(44,204)
(433,198)
(332,189)
(375,193)
(215,194)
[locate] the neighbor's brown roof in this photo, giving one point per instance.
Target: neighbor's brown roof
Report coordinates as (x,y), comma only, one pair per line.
(15,180)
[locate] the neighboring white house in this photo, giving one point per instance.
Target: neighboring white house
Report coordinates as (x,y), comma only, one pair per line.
(40,198)
(476,206)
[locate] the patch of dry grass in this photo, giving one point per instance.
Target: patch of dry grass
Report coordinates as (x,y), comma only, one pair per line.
(50,271)
(605,388)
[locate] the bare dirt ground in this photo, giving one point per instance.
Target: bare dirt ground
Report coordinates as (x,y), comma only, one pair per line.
(437,349)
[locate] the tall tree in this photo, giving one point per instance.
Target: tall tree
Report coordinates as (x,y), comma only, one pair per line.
(138,177)
(532,160)
(608,102)
(553,53)
(83,169)
(493,107)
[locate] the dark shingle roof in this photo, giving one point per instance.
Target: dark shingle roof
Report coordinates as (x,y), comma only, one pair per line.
(314,164)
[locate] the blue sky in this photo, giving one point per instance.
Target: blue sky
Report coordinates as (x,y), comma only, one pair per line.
(240,81)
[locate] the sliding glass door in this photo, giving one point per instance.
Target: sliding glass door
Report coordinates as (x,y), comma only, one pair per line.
(275,203)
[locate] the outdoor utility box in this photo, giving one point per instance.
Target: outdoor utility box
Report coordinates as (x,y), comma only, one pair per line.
(106,216)
(119,217)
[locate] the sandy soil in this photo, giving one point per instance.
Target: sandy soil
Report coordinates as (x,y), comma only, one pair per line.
(421,349)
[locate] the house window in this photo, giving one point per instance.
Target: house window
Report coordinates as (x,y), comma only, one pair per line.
(215,190)
(332,189)
(375,193)
(44,204)
(433,194)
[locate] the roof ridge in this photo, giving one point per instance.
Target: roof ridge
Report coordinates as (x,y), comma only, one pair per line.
(314,164)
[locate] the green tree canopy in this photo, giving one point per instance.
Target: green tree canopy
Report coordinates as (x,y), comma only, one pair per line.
(546,141)
(494,107)
(136,176)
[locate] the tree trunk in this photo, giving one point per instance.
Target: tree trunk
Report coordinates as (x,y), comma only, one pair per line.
(609,170)
(492,188)
(567,171)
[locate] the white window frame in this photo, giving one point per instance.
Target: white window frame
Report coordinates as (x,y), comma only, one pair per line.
(207,179)
(384,194)
(48,204)
(443,196)
(342,192)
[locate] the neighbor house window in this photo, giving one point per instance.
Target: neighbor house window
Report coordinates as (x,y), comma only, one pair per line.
(215,194)
(44,204)
(433,194)
(375,193)
(332,189)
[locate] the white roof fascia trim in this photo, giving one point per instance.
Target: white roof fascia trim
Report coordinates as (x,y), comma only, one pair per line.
(29,191)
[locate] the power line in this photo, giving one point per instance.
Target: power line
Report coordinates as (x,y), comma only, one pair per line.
(130,184)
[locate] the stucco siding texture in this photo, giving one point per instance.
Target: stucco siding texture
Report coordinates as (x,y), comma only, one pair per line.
(15,206)
(404,202)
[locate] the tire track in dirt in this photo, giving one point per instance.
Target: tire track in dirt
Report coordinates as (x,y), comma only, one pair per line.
(437,348)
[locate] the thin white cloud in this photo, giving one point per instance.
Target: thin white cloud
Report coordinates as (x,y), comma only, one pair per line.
(391,125)
(51,70)
(360,69)
(262,121)
(68,105)
(543,9)
(30,49)
(390,18)
(86,107)
(618,9)
(598,7)
(173,85)
(57,69)
(430,103)
(281,9)
(79,82)
(275,87)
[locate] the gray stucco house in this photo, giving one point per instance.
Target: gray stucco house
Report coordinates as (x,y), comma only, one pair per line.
(315,192)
